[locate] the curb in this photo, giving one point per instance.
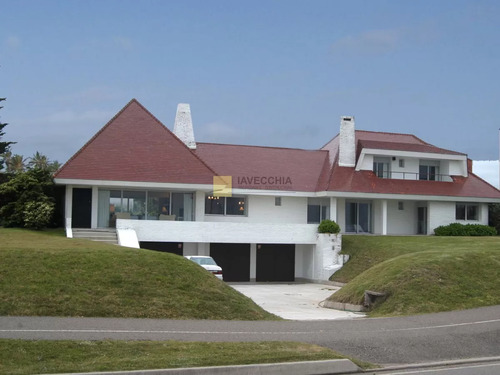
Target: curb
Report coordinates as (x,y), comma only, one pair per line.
(452,362)
(336,366)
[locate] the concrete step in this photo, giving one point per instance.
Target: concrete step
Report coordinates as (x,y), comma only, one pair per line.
(100,235)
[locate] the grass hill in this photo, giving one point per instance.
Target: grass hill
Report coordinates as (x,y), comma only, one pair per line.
(46,274)
(421,274)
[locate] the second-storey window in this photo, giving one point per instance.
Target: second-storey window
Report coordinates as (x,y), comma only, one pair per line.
(429,170)
(228,206)
(381,167)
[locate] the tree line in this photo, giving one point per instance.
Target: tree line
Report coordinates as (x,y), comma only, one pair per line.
(27,190)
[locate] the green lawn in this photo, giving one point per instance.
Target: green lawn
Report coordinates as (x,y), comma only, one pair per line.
(421,274)
(19,357)
(46,274)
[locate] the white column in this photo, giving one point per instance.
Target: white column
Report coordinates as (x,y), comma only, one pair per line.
(199,206)
(95,200)
(68,210)
(253,261)
(384,217)
(333,209)
(68,204)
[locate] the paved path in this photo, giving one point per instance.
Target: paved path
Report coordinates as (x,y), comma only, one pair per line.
(412,339)
(294,301)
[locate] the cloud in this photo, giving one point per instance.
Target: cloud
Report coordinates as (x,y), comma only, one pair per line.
(488,170)
(219,133)
(71,116)
(97,46)
(13,41)
(373,42)
(123,43)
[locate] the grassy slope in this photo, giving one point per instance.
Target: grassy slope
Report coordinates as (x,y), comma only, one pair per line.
(421,274)
(49,275)
(38,357)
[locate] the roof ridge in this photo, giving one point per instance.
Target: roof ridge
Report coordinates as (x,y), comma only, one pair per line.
(257,146)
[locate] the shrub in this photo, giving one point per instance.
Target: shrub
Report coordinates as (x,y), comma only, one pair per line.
(37,215)
(328,226)
(457,229)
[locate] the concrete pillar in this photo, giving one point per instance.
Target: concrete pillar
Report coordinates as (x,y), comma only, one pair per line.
(333,209)
(199,206)
(384,217)
(68,203)
(253,261)
(95,200)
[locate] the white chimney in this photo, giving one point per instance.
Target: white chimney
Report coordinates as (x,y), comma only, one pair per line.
(347,144)
(183,126)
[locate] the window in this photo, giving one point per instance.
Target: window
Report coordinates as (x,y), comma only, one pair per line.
(401,206)
(381,167)
(358,217)
(317,210)
(143,205)
(467,211)
(229,206)
(401,163)
(277,201)
(428,171)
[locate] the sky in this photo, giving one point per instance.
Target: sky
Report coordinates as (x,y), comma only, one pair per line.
(260,72)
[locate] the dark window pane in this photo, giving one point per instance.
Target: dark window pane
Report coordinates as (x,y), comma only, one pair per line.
(472,212)
(235,206)
(423,172)
(313,212)
(214,205)
(460,212)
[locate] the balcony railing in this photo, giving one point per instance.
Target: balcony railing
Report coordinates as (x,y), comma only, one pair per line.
(414,176)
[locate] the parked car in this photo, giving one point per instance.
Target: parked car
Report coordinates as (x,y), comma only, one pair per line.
(208,263)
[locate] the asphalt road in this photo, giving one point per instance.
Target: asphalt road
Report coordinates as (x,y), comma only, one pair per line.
(402,340)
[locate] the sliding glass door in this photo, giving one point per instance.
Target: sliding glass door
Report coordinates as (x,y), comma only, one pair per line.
(358,217)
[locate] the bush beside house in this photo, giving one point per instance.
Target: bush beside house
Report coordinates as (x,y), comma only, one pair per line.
(457,229)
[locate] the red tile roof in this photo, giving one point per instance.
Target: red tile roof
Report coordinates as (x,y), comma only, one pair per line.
(385,145)
(135,146)
(267,168)
(344,179)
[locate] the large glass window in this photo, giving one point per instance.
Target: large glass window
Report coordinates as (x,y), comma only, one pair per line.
(358,217)
(318,209)
(466,211)
(158,204)
(230,206)
(141,205)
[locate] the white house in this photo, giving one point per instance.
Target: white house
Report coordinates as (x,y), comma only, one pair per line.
(157,188)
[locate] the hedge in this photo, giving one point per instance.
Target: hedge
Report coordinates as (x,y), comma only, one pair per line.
(457,229)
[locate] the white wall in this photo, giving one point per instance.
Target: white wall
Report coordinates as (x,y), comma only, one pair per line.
(207,232)
(261,209)
(443,213)
(401,221)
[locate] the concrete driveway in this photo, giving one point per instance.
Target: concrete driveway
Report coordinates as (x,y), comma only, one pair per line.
(294,301)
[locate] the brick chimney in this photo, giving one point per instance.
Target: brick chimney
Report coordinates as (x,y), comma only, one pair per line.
(183,126)
(347,144)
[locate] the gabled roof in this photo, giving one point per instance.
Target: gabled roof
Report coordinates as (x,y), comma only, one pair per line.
(265,168)
(135,146)
(396,146)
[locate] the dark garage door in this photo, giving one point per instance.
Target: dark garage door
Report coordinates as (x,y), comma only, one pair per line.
(275,262)
(234,258)
(166,247)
